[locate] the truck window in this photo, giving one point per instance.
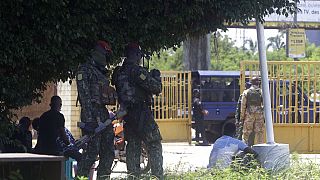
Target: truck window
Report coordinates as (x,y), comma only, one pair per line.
(219,89)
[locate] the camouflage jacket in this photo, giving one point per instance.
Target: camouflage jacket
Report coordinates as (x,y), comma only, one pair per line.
(134,84)
(91,84)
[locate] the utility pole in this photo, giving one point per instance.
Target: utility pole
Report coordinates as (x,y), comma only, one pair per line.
(295,22)
(265,82)
(272,155)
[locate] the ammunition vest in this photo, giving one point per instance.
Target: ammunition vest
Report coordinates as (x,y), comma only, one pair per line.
(254,97)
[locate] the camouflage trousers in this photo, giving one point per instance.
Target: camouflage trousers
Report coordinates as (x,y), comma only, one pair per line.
(103,146)
(152,141)
(253,122)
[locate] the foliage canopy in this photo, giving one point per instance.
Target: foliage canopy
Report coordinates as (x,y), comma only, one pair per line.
(46,40)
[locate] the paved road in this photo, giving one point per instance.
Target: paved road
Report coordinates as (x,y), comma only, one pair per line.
(185,157)
(178,157)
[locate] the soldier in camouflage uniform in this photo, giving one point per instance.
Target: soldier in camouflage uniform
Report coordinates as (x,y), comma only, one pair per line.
(135,87)
(252,112)
(91,83)
(239,123)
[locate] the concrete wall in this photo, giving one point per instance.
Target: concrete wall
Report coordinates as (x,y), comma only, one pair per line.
(36,109)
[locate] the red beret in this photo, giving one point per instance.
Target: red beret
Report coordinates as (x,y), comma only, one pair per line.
(133,45)
(105,45)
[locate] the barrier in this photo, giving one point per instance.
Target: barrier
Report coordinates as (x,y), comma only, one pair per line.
(172,108)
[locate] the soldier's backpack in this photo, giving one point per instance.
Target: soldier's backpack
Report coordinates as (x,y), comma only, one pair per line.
(254,97)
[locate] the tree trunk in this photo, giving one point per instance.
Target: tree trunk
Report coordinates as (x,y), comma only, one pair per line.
(196,53)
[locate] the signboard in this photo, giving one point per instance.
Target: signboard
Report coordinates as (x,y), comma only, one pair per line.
(296,43)
(309,11)
(308,17)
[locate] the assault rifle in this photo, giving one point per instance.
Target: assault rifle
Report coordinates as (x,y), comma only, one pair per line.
(101,127)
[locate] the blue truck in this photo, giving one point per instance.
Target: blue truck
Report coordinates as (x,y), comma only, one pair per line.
(219,94)
(220,91)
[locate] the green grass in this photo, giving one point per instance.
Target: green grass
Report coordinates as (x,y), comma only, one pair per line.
(299,169)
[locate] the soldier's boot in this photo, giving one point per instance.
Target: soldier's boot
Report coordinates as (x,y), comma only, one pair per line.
(84,171)
(103,172)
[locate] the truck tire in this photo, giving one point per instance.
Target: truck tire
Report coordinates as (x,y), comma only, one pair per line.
(214,130)
(229,120)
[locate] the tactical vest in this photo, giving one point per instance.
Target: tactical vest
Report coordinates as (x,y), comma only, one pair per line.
(254,97)
(128,92)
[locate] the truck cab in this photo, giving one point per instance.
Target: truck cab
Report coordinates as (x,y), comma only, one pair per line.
(219,94)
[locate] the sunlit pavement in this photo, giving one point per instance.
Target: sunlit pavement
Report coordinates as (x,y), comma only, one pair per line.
(182,157)
(178,157)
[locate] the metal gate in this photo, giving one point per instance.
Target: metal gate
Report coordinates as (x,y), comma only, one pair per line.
(295,101)
(172,108)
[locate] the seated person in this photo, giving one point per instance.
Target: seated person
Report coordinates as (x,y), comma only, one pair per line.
(35,123)
(24,134)
(226,147)
(69,150)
